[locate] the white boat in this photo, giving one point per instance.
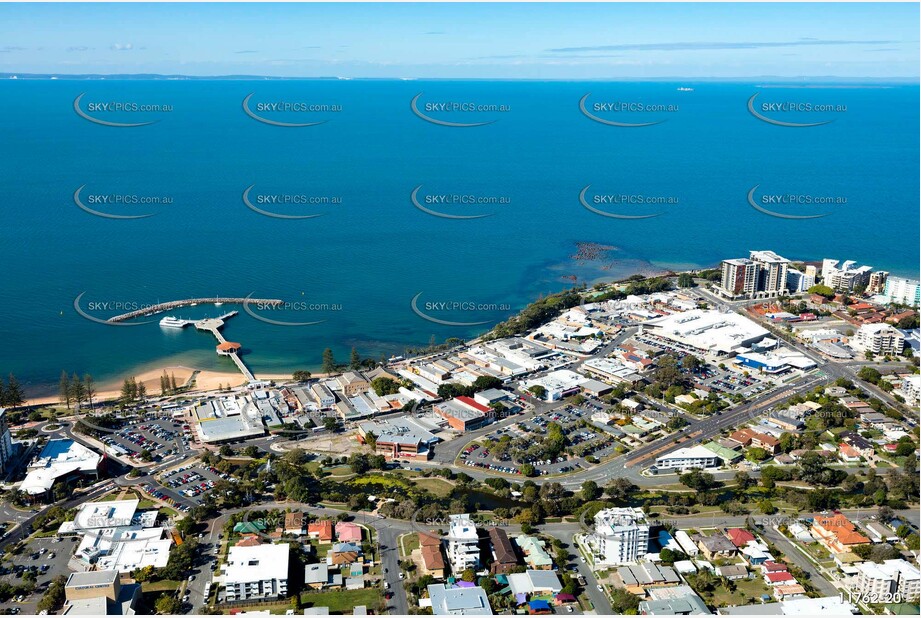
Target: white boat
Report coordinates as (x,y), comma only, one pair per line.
(685,89)
(171,322)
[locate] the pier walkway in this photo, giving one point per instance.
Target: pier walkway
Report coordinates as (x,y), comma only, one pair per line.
(188,302)
(213,326)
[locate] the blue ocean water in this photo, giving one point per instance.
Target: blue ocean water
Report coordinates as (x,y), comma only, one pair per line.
(369,255)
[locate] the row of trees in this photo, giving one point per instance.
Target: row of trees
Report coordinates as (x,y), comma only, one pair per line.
(168,384)
(76,390)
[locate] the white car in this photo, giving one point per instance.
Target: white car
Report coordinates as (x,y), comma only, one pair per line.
(600,587)
(402,575)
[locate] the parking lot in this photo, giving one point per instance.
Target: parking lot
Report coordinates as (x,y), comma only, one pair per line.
(506,449)
(711,376)
(47,558)
(159,437)
(193,481)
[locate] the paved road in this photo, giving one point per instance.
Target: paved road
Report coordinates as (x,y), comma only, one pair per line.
(794,555)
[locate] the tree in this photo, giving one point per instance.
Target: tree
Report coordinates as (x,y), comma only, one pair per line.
(623,602)
(528,470)
(64,391)
(590,491)
(697,480)
(165,386)
(354,360)
(371,439)
(13,396)
(301,375)
(468,575)
(685,280)
(89,388)
(167,604)
(145,455)
(226,451)
(329,362)
(78,391)
(822,290)
(620,489)
(54,597)
(385,386)
(538,391)
(141,390)
(330,423)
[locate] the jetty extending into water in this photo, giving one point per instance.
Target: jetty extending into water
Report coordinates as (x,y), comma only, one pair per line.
(188,302)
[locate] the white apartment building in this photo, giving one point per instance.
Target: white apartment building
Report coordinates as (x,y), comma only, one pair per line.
(886,580)
(878,339)
(687,458)
(621,536)
(845,277)
(463,543)
(258,572)
(911,389)
(903,291)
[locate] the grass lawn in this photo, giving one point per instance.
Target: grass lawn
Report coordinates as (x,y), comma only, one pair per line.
(378,479)
(343,601)
(160,586)
(409,542)
(745,589)
(439,487)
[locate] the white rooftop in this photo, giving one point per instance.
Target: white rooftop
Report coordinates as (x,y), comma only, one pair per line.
(257,563)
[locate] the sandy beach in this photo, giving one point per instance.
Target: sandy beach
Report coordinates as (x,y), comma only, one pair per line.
(204,381)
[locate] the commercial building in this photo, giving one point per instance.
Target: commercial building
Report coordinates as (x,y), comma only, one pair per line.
(558,384)
(621,536)
(461,417)
(707,330)
(673,601)
(463,543)
(399,437)
(323,396)
(99,593)
(259,572)
(879,339)
(60,461)
(823,606)
(534,582)
(611,370)
(227,419)
(688,458)
(846,277)
(469,601)
(352,382)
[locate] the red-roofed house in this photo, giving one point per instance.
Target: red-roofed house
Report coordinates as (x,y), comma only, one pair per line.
(837,533)
(322,530)
(848,453)
(739,536)
(772,566)
(347,532)
(779,578)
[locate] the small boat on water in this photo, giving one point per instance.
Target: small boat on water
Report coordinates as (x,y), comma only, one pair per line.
(685,89)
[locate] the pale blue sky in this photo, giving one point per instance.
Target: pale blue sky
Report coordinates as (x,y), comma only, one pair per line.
(464,40)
